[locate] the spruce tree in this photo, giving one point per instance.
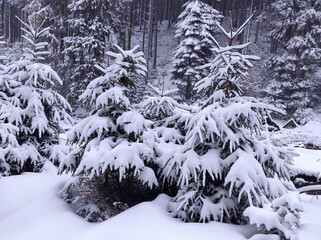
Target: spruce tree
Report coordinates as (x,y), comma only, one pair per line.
(39,113)
(226,162)
(9,147)
(84,47)
(113,151)
(194,29)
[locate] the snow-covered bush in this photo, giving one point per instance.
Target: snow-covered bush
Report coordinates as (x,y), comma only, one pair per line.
(112,142)
(37,112)
(282,217)
(226,163)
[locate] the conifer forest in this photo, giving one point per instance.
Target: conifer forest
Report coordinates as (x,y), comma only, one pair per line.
(160,119)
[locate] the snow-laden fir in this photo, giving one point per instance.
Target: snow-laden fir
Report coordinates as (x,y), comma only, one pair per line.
(113,140)
(194,29)
(226,163)
(35,112)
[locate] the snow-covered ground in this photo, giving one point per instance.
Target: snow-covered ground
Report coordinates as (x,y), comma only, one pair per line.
(30,209)
(297,139)
(308,134)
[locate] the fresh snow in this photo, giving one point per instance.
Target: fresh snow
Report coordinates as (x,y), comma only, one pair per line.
(305,160)
(30,209)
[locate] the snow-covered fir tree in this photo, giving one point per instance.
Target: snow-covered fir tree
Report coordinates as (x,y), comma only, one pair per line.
(166,132)
(226,162)
(196,25)
(8,142)
(90,27)
(113,146)
(297,53)
(38,112)
(8,132)
(13,156)
(11,153)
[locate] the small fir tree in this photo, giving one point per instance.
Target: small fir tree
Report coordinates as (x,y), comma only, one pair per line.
(9,147)
(194,29)
(38,111)
(226,163)
(113,149)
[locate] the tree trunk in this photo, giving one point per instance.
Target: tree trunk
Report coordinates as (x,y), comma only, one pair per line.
(10,20)
(156,39)
(150,32)
(257,30)
(130,25)
(170,12)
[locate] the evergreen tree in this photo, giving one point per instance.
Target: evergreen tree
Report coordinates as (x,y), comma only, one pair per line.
(120,12)
(39,112)
(11,153)
(9,147)
(113,148)
(225,163)
(89,24)
(296,42)
(194,29)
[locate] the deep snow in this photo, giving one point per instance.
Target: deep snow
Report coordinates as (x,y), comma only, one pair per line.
(30,209)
